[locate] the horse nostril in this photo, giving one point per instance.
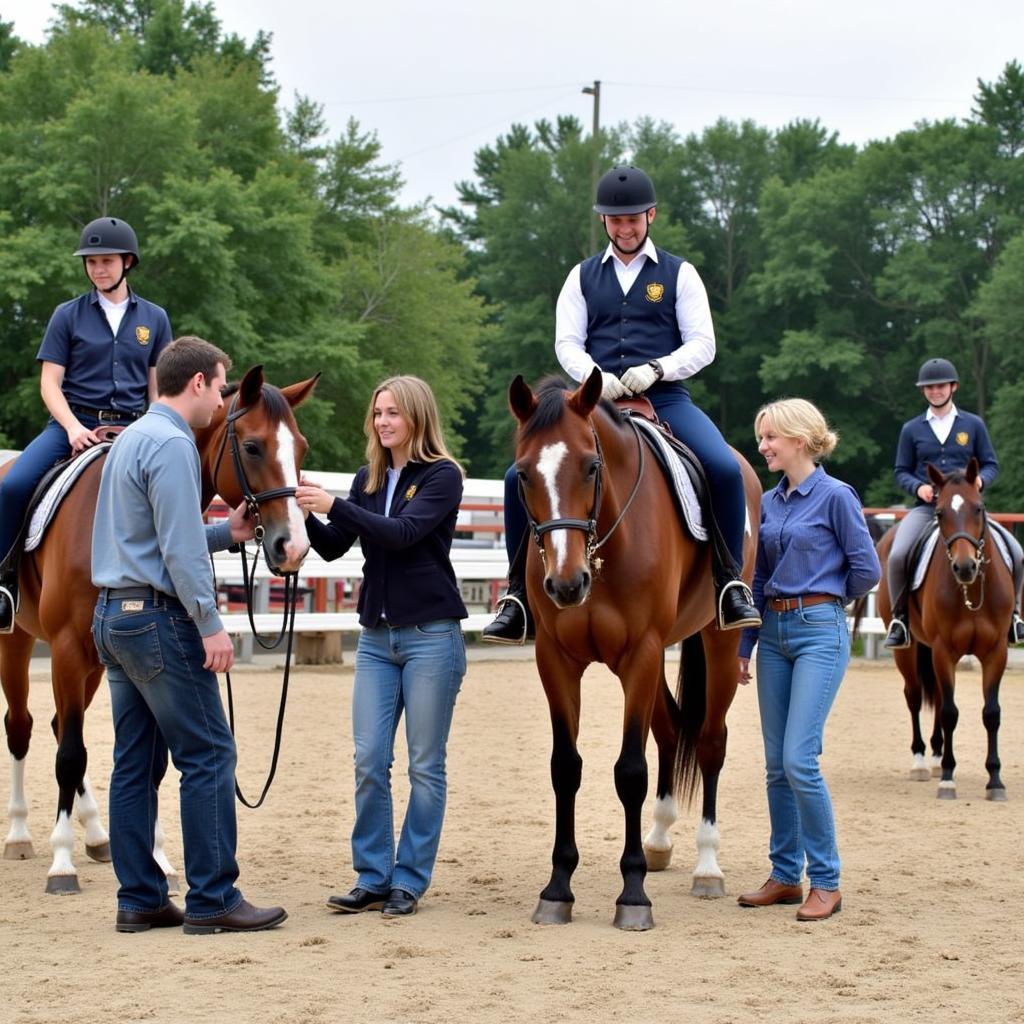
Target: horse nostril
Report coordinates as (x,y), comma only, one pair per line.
(549,587)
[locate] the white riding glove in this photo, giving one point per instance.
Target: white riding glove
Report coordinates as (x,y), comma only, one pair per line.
(637,379)
(612,388)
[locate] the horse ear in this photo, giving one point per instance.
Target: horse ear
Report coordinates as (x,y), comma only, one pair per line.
(935,476)
(588,394)
(296,394)
(521,399)
(972,470)
(251,386)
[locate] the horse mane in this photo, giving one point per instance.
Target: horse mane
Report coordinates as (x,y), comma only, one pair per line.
(276,404)
(550,395)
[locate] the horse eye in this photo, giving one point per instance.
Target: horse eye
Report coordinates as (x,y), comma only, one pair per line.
(251,448)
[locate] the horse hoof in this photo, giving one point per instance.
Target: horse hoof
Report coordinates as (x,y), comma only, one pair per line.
(173,884)
(936,768)
(997,795)
(920,774)
(947,791)
(552,912)
(631,918)
(19,850)
(63,885)
(657,860)
(99,853)
(708,888)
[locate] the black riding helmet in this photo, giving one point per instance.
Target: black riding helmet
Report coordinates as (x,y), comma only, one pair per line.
(624,190)
(937,371)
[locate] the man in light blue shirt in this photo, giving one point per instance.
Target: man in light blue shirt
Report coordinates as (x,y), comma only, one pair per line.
(160,637)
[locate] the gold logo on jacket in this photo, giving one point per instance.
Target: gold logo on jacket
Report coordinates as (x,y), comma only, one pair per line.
(142,335)
(655,292)
(410,493)
(962,438)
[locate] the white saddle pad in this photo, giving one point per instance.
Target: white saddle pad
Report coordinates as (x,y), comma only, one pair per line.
(686,496)
(929,547)
(46,508)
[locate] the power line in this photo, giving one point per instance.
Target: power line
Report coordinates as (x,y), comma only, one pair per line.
(451,95)
(780,94)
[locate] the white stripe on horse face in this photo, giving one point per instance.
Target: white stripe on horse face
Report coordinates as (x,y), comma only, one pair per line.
(298,540)
(956,501)
(551,457)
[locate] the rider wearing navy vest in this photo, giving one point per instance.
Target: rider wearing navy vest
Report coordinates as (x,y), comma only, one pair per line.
(948,438)
(641,315)
(98,361)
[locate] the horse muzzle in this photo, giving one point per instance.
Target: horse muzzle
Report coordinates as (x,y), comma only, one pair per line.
(568,593)
(966,570)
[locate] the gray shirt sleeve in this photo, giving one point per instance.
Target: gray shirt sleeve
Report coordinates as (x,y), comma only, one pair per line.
(184,540)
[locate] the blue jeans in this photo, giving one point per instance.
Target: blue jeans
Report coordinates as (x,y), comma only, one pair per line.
(801,657)
(418,670)
(163,699)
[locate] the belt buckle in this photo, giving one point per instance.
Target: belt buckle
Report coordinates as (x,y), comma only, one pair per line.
(106,415)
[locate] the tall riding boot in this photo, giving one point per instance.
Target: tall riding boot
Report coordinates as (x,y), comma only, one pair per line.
(513,623)
(8,600)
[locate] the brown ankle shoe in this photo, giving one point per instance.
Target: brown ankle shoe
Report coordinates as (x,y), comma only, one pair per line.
(773,891)
(821,903)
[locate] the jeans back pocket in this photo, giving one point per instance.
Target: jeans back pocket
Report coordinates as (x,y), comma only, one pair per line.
(138,651)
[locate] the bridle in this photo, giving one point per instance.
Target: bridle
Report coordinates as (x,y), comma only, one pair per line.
(291,584)
(588,525)
(979,550)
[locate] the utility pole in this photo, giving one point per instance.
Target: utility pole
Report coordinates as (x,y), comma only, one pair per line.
(595,159)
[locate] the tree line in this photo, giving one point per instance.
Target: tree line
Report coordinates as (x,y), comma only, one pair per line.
(833,270)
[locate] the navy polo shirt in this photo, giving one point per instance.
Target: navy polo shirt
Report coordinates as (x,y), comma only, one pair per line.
(625,330)
(102,371)
(918,446)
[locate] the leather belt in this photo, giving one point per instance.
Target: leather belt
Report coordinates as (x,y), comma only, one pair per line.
(106,415)
(788,604)
(121,593)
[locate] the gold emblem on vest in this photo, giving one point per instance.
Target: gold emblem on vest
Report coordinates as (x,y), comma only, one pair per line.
(655,292)
(410,492)
(962,438)
(142,335)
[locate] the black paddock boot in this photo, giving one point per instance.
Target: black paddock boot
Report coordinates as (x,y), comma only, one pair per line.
(736,606)
(8,602)
(513,623)
(898,637)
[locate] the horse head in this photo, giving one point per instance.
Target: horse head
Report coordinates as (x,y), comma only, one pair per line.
(252,452)
(559,465)
(960,513)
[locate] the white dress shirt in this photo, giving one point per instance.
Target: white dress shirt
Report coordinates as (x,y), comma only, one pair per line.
(941,425)
(693,315)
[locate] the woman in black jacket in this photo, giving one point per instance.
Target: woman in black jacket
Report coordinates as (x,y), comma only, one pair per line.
(411,656)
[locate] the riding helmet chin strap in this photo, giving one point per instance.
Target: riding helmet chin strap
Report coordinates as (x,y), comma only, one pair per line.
(124,273)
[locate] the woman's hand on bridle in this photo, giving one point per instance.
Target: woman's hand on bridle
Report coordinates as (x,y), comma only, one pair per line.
(312,498)
(242,526)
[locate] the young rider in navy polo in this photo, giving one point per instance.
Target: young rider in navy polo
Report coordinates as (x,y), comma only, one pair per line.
(98,368)
(641,314)
(946,437)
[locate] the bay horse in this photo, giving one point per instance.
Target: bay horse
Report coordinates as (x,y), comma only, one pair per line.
(964,606)
(583,483)
(254,447)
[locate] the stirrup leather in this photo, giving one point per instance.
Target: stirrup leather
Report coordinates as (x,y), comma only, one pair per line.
(747,596)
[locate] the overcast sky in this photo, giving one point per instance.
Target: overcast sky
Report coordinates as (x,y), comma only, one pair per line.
(437,80)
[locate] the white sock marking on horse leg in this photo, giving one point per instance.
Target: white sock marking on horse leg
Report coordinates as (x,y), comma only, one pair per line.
(17,808)
(62,842)
(708,840)
(89,815)
(298,539)
(551,457)
(666,810)
(159,854)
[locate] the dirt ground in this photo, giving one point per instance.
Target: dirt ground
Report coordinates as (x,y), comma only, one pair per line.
(929,929)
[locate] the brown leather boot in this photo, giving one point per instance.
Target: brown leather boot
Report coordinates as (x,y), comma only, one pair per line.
(773,891)
(820,904)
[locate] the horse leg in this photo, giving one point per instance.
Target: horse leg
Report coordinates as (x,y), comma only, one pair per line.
(992,676)
(62,878)
(948,715)
(160,856)
(711,661)
(658,842)
(15,651)
(933,696)
(906,662)
(562,686)
(97,842)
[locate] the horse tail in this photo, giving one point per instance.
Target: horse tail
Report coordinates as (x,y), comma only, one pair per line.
(691,698)
(857,610)
(926,675)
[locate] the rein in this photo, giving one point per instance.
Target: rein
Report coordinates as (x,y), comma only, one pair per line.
(589,525)
(291,587)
